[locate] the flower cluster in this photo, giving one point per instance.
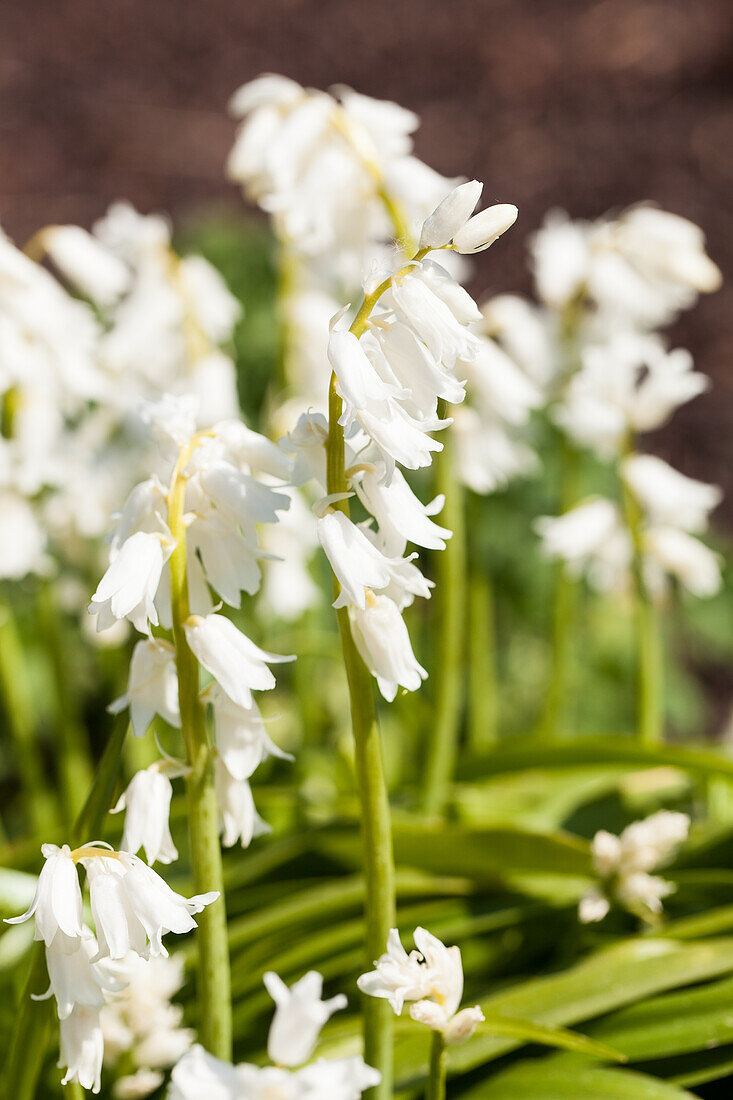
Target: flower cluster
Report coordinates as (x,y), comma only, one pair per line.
(624,864)
(299,1016)
(326,166)
(223,502)
(605,288)
(132,909)
(431,978)
(594,540)
(70,439)
(345,193)
(391,373)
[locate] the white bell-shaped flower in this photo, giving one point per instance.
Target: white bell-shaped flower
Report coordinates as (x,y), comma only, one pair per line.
(427,311)
(146,803)
(241,739)
(299,1016)
(56,904)
(397,977)
(238,817)
(81,1047)
(358,564)
(133,907)
(74,978)
(127,590)
(384,644)
(152,686)
(400,516)
(234,661)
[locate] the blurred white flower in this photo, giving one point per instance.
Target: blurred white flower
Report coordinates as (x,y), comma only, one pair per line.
(667,496)
(141,1024)
(591,539)
(623,864)
(299,1016)
(89,266)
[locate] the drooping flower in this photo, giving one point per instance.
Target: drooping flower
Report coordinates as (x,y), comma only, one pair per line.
(56,905)
(152,686)
(384,644)
(133,907)
(81,1047)
(241,739)
(128,588)
(239,820)
(146,803)
(236,663)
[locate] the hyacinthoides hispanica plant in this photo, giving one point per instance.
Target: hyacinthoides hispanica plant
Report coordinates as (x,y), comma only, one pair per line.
(391,367)
(606,288)
(144,315)
(337,173)
(170,546)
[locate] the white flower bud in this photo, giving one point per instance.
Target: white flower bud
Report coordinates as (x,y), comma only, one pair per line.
(463,1025)
(485,228)
(450,215)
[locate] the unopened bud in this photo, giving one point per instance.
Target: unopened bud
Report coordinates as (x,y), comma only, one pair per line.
(462,1025)
(450,215)
(484,228)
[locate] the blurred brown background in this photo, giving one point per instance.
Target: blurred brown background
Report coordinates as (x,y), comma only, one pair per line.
(585,105)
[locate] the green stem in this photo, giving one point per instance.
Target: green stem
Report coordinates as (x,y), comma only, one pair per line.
(450,620)
(214,980)
(483,696)
(435,1089)
(21,725)
(647,618)
(372,788)
(554,718)
(33,1019)
(75,768)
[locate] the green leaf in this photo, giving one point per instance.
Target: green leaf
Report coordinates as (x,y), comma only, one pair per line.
(673,1024)
(561,1037)
(527,752)
(538,1080)
(480,854)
